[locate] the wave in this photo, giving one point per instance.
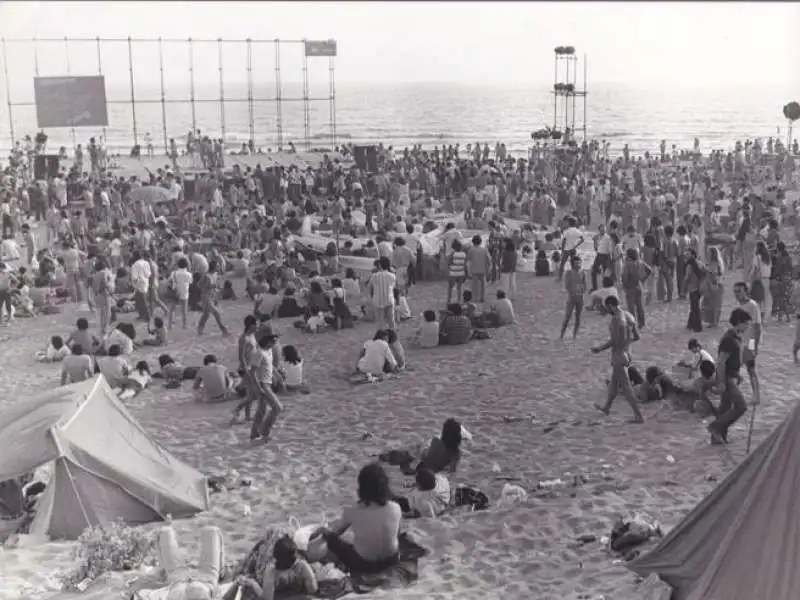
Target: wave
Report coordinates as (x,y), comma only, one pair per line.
(611,134)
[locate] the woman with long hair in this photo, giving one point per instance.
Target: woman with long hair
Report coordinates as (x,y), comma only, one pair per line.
(692,285)
(760,272)
(712,288)
(781,283)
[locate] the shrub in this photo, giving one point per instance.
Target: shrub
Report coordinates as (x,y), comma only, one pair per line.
(103,549)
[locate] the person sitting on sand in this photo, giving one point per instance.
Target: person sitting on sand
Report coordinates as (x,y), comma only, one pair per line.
(200,582)
(443,452)
(431,496)
(123,335)
(428,333)
(293,369)
(227,293)
(287,574)
(83,337)
(501,311)
(375,525)
(376,355)
(113,367)
(398,351)
(266,305)
(56,351)
(217,384)
(77,366)
(158,333)
(455,328)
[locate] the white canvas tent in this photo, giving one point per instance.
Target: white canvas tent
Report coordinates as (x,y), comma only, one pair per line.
(105,466)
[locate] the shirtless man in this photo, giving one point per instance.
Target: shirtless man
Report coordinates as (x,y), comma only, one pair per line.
(751,338)
(622,333)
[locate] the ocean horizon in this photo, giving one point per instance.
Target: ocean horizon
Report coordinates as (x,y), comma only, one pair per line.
(429,113)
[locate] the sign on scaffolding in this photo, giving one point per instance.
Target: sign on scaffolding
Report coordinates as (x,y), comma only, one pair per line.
(320,48)
(70,101)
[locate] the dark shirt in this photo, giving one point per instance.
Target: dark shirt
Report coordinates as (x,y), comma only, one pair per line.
(455,330)
(731,344)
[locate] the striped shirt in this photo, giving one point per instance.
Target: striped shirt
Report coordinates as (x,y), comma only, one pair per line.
(382,285)
(458,263)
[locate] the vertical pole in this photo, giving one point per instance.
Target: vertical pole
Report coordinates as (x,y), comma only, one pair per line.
(555,97)
(306,116)
(100,72)
(566,100)
(250,111)
(278,94)
(574,93)
(332,100)
(585,94)
(35,57)
(8,95)
(191,85)
(133,93)
(221,92)
(163,95)
(71,112)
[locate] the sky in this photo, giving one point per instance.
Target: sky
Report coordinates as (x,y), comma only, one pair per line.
(686,45)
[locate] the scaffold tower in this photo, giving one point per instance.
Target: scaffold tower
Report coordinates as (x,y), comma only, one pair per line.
(566,93)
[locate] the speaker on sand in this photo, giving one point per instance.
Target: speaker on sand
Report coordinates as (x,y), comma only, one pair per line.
(45,166)
(366,158)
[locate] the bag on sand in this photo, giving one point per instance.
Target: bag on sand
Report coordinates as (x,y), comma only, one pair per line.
(314,550)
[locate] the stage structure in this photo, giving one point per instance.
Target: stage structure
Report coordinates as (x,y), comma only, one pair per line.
(566,93)
(87,106)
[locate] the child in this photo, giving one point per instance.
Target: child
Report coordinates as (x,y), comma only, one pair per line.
(174,372)
(542,264)
(290,574)
(397,349)
(341,313)
(22,300)
(56,351)
(316,323)
(227,291)
(431,495)
(136,381)
(159,333)
(690,365)
(428,334)
(293,369)
(470,309)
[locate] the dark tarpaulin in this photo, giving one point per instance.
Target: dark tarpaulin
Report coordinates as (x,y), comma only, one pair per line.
(742,542)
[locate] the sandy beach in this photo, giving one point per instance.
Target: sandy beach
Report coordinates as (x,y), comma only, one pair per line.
(527,399)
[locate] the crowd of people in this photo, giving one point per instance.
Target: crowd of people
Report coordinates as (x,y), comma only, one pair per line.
(668,228)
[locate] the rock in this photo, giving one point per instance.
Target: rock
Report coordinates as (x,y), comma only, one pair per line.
(654,588)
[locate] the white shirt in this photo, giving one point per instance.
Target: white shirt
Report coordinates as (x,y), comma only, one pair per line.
(632,242)
(123,341)
(181,279)
(376,353)
(572,238)
(293,373)
(140,275)
(116,247)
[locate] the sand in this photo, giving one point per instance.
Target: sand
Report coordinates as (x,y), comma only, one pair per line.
(527,399)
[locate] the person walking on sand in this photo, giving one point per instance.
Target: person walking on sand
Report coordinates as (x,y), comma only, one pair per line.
(732,405)
(622,333)
(575,284)
(208,299)
(248,349)
(261,372)
(751,338)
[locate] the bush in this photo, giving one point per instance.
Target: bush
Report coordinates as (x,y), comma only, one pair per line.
(100,550)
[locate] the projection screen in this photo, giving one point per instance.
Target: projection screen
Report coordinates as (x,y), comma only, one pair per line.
(71,101)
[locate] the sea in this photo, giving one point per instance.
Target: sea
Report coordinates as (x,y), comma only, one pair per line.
(435,114)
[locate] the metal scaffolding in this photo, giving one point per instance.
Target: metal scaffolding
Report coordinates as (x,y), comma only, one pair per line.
(566,92)
(313,49)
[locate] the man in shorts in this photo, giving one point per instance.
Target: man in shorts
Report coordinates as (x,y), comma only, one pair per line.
(751,338)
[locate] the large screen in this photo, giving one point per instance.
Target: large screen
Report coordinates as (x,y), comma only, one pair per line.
(71,101)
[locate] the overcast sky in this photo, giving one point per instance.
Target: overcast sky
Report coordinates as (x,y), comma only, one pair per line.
(639,43)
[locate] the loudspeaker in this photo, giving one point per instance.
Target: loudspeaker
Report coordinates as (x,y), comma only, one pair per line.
(366,158)
(45,166)
(188,190)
